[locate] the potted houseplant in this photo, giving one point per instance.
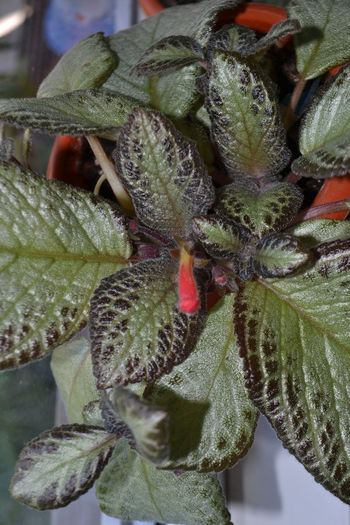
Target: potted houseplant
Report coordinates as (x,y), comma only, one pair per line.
(208,293)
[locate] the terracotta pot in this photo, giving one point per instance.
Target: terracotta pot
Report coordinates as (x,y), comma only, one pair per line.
(64,159)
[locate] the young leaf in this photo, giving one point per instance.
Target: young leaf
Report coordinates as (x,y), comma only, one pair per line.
(295,342)
(279,254)
(72,369)
(130,488)
(175,93)
(324,40)
(207,401)
(246,125)
(56,244)
(138,333)
(82,112)
(148,424)
(232,38)
(278,31)
(60,465)
(163,172)
(169,53)
(325,131)
(86,65)
(221,238)
(260,211)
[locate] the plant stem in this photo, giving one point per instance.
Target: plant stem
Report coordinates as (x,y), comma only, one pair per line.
(108,170)
(292,178)
(323,209)
(294,99)
(99,184)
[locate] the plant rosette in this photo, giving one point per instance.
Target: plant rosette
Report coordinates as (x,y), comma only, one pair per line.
(208,174)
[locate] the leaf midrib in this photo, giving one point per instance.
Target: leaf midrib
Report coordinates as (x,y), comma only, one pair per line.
(98,258)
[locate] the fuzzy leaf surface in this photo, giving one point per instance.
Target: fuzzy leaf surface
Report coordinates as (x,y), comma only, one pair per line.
(232,38)
(169,53)
(148,424)
(56,244)
(294,338)
(221,238)
(207,401)
(246,124)
(72,369)
(279,254)
(138,333)
(86,65)
(61,464)
(260,211)
(312,233)
(175,93)
(324,137)
(278,31)
(324,40)
(163,172)
(131,488)
(82,112)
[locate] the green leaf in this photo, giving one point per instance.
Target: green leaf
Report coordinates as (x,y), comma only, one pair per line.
(279,254)
(56,244)
(260,210)
(221,238)
(92,414)
(72,369)
(325,131)
(130,488)
(175,93)
(294,338)
(138,333)
(197,132)
(277,31)
(86,65)
(148,424)
(246,124)
(324,40)
(82,112)
(163,172)
(169,53)
(312,233)
(207,401)
(60,465)
(232,38)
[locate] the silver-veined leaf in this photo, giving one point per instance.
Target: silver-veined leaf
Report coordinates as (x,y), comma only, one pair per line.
(277,31)
(60,465)
(72,369)
(220,237)
(56,244)
(137,331)
(279,254)
(246,124)
(86,65)
(211,418)
(294,338)
(260,211)
(163,172)
(81,112)
(232,38)
(324,139)
(131,488)
(317,231)
(324,40)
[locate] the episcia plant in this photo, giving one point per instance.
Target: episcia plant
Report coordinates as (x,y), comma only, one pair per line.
(208,294)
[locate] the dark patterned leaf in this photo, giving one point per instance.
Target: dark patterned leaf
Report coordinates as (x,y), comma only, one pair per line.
(232,38)
(279,254)
(60,465)
(294,338)
(278,31)
(312,233)
(56,244)
(246,124)
(221,238)
(325,131)
(260,211)
(147,424)
(175,93)
(138,333)
(131,488)
(207,401)
(169,53)
(82,112)
(86,65)
(324,41)
(163,172)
